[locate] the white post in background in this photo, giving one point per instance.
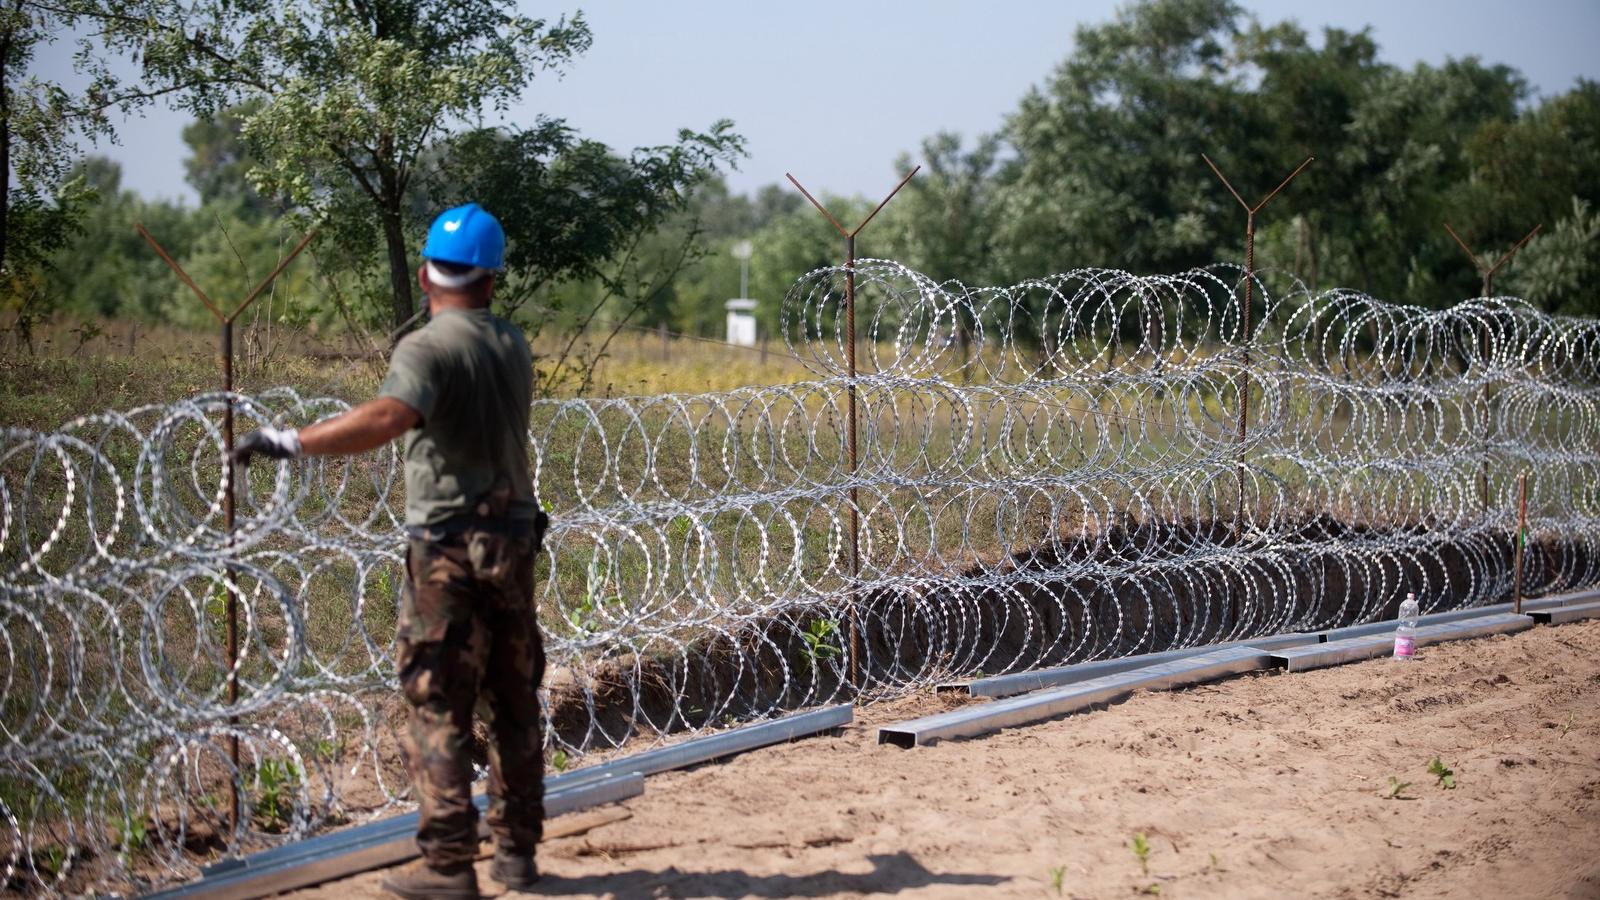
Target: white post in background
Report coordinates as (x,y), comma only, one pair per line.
(741,310)
(742,252)
(741,322)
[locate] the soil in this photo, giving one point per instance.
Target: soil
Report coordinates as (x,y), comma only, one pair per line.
(1270,785)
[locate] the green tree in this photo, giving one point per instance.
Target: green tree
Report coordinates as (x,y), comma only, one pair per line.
(577,210)
(220,160)
(1557,270)
(1310,94)
(39,121)
(343,98)
(108,270)
(1108,169)
(943,223)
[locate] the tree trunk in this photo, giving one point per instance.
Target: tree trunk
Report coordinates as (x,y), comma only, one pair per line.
(399,270)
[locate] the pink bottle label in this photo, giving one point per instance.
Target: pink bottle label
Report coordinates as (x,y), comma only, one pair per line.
(1405,645)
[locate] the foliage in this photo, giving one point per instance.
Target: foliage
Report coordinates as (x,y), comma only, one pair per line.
(1140,845)
(366,118)
(132,835)
(220,160)
(342,99)
(274,791)
(600,592)
(1446,775)
(36,229)
(353,113)
(1396,789)
(581,216)
(1559,269)
(821,642)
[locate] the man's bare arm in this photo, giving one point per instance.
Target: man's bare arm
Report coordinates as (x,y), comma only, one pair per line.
(372,424)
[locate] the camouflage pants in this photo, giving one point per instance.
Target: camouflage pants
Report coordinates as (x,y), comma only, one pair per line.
(467,640)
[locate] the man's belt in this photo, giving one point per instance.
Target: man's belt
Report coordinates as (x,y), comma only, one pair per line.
(455,526)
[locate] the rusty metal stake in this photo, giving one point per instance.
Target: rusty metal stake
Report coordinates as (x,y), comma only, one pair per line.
(1488,290)
(1522,541)
(1249,294)
(229,511)
(856,675)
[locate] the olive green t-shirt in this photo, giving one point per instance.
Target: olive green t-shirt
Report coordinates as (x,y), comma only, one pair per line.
(469,374)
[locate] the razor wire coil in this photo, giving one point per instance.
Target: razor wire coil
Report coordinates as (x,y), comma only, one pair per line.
(1048,473)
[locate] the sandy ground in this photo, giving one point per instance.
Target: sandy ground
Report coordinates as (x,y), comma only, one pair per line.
(1272,785)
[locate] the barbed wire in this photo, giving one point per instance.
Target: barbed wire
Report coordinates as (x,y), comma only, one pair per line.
(1049,473)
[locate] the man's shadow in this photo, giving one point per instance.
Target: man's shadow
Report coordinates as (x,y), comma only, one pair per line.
(890,873)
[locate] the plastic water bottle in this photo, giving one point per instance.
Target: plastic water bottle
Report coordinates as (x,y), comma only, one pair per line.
(1405,637)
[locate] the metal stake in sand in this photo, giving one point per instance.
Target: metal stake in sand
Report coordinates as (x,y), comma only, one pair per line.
(1522,541)
(1488,290)
(850,329)
(226,320)
(1249,286)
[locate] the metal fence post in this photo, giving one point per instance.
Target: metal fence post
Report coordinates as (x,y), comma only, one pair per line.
(856,674)
(1249,296)
(1488,290)
(229,511)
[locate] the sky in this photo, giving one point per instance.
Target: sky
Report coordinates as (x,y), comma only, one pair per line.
(835,90)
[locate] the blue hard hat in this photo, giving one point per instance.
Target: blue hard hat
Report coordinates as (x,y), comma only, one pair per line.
(467,236)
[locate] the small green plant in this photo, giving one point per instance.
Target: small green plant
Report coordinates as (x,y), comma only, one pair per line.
(1141,851)
(1446,776)
(584,617)
(275,782)
(559,761)
(1396,788)
(217,603)
(54,858)
(1213,864)
(1152,889)
(86,332)
(1058,874)
(132,836)
(822,641)
(326,749)
(1571,718)
(382,583)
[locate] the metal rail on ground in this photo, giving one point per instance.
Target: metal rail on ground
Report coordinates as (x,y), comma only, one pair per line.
(1353,649)
(1039,705)
(1108,681)
(1564,614)
(1022,682)
(373,846)
(391,841)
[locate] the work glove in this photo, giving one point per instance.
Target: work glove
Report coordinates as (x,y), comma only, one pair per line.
(273,443)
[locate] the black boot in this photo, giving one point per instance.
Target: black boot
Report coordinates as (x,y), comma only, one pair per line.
(517,872)
(423,882)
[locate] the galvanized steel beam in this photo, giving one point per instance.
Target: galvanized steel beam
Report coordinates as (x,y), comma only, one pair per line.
(1020,710)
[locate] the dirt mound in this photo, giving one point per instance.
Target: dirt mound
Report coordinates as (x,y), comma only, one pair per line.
(1133,587)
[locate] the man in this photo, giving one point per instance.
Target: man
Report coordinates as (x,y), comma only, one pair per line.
(459,390)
